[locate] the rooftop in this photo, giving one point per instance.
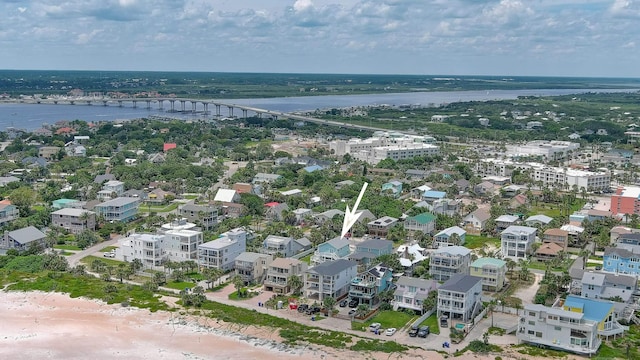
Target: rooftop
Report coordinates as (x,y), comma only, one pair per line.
(330,268)
(460,283)
(487,261)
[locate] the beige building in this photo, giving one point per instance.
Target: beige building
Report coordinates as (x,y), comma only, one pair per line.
(252,267)
(74,220)
(279,273)
(492,271)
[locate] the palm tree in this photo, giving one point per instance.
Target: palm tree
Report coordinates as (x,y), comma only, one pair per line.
(362,310)
(295,284)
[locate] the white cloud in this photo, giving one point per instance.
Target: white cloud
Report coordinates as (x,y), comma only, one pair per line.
(302,5)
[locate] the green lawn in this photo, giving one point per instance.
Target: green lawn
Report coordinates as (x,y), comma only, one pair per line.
(108,248)
(476,241)
(158,209)
(541,265)
(432,323)
(306,259)
(387,319)
(89,259)
(179,285)
(66,247)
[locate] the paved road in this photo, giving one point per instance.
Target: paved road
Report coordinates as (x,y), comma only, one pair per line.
(233,168)
(75,258)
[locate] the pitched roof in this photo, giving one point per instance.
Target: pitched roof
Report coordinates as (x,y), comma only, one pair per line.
(556,232)
(119,201)
(284,262)
(72,212)
(549,249)
(452,230)
(423,218)
(434,194)
(460,283)
(507,218)
(26,235)
(375,244)
(330,268)
(541,218)
(225,195)
(515,229)
(596,310)
(452,250)
(250,256)
(481,215)
(417,282)
(338,242)
(487,261)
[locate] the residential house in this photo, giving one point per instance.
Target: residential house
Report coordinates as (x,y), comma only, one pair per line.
(459,298)
(417,193)
(462,185)
(232,210)
(227,196)
(516,241)
(284,246)
(74,220)
(205,215)
(416,174)
(449,237)
(252,267)
(111,189)
(556,236)
(119,209)
(492,271)
(392,188)
(517,201)
(411,292)
(575,325)
(538,220)
(628,239)
(261,178)
(433,195)
(328,215)
(292,192)
(448,261)
(182,245)
(302,214)
(23,239)
(477,220)
(159,196)
(8,213)
(329,279)
(425,222)
(280,272)
(548,251)
(485,188)
(334,249)
(312,168)
(447,207)
(606,285)
(381,226)
(574,232)
(65,203)
(222,252)
(504,221)
(624,259)
(243,188)
(410,256)
(274,211)
(367,286)
(344,183)
(5,180)
(49,152)
(371,249)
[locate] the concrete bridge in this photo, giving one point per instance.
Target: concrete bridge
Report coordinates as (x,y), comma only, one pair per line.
(185,105)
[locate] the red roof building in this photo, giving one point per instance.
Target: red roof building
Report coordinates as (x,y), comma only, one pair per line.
(169,146)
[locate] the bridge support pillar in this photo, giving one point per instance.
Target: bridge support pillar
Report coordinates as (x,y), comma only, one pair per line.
(182,102)
(230,111)
(244,114)
(89,102)
(173,105)
(120,103)
(205,107)
(193,107)
(217,110)
(104,102)
(160,104)
(72,102)
(135,104)
(148,104)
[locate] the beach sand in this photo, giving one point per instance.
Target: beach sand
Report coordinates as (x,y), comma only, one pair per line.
(38,325)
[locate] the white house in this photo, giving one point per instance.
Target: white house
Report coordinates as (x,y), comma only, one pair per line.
(517,241)
(222,252)
(459,299)
(329,279)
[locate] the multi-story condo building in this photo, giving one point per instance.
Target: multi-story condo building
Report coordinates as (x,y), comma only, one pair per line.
(8,213)
(492,271)
(252,267)
(154,249)
(74,220)
(280,272)
(411,292)
(449,237)
(367,286)
(459,299)
(556,236)
(122,209)
(517,241)
(370,249)
(206,215)
(606,285)
(547,175)
(329,279)
(448,261)
(23,239)
(574,324)
(549,150)
(334,249)
(626,200)
(182,245)
(385,146)
(222,252)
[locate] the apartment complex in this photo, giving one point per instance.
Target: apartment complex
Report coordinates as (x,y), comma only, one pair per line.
(154,249)
(626,200)
(385,145)
(122,209)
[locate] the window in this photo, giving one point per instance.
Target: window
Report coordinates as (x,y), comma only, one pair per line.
(557,328)
(532,323)
(538,334)
(530,332)
(532,313)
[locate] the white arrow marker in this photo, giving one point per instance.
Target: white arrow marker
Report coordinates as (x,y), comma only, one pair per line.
(350,217)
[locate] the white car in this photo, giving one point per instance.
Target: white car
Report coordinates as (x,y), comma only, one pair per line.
(109,254)
(390,331)
(374,327)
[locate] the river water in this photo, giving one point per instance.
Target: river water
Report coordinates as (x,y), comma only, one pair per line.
(33,116)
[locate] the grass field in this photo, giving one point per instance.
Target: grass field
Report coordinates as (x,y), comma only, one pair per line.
(306,259)
(66,247)
(108,248)
(179,285)
(432,323)
(89,259)
(387,319)
(476,241)
(158,209)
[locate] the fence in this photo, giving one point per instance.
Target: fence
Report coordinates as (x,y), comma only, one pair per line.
(423,317)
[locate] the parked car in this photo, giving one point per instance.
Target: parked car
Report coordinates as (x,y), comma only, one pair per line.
(374,326)
(423,332)
(302,308)
(109,254)
(313,310)
(414,331)
(343,303)
(352,312)
(353,303)
(390,331)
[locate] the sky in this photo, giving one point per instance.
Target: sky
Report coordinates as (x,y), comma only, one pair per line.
(590,38)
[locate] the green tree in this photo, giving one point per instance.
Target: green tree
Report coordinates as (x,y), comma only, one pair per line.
(23,198)
(295,284)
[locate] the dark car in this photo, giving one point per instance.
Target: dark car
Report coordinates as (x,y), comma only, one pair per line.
(343,303)
(302,308)
(313,310)
(423,331)
(414,331)
(353,303)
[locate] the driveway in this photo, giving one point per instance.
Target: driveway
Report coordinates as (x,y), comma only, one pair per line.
(74,259)
(527,294)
